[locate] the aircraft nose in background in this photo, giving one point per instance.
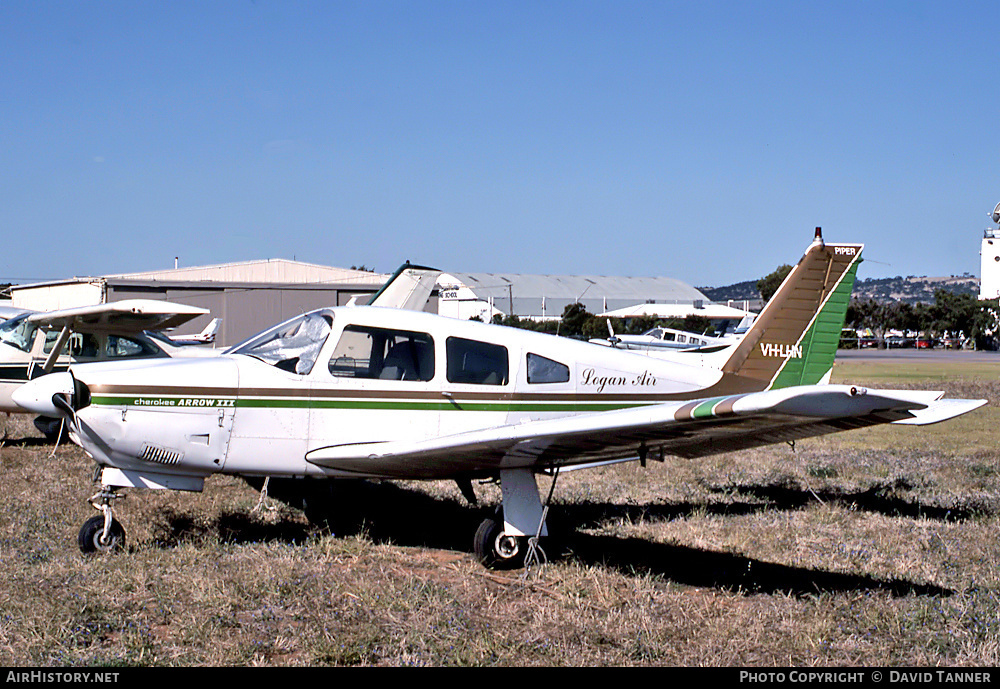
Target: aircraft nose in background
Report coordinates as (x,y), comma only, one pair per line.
(36,395)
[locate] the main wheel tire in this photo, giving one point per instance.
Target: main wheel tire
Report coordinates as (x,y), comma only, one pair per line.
(91,538)
(497,551)
(54,430)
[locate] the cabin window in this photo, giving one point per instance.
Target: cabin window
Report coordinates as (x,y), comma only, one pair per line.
(479,363)
(118,347)
(18,332)
(383,354)
(293,345)
(542,370)
(78,345)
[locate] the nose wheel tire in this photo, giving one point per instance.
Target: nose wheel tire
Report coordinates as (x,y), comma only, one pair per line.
(495,549)
(92,538)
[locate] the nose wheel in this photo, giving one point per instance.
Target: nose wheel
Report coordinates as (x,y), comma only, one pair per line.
(103,533)
(95,538)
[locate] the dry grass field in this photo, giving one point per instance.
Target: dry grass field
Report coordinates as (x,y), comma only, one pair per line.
(876,547)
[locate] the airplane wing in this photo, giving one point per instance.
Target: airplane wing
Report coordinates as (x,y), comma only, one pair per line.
(120,317)
(688,429)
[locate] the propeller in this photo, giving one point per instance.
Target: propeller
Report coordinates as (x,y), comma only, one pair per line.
(613,339)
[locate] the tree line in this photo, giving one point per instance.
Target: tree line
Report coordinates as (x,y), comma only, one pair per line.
(577,322)
(950,314)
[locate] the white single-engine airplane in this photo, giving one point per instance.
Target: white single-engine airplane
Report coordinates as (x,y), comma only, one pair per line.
(661,337)
(206,336)
(368,392)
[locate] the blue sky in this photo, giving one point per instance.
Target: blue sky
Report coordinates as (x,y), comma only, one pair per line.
(697,140)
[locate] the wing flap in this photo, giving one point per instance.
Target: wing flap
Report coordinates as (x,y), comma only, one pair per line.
(687,429)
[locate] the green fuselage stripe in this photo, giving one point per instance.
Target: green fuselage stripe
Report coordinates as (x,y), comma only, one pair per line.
(160,402)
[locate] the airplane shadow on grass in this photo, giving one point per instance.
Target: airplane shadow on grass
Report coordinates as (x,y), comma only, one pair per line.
(389,513)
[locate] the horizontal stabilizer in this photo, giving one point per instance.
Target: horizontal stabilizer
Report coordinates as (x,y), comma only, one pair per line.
(941,410)
(410,287)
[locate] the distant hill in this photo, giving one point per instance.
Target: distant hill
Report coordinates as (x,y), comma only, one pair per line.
(914,289)
(909,289)
(743,291)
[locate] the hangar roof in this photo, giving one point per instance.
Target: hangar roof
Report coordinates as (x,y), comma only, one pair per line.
(271,270)
(535,295)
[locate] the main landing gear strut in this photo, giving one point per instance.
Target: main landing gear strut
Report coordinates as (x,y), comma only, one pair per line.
(509,539)
(102,533)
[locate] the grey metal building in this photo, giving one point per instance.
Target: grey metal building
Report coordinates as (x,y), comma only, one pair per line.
(467,295)
(254,295)
(248,297)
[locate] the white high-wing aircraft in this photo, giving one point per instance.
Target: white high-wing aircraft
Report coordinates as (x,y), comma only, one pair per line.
(368,392)
(662,338)
(665,338)
(36,343)
(33,344)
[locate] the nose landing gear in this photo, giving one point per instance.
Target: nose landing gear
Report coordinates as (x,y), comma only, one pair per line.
(103,533)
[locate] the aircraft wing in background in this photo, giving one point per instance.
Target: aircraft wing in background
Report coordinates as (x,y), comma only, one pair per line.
(119,317)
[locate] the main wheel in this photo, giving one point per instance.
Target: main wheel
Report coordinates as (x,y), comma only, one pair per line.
(55,430)
(91,538)
(496,550)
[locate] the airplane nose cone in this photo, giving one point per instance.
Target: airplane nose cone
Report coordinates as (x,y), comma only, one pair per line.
(36,395)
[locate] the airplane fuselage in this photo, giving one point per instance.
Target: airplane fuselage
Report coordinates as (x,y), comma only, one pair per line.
(262,408)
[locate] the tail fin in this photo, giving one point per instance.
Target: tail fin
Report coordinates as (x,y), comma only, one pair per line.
(410,287)
(794,339)
(208,334)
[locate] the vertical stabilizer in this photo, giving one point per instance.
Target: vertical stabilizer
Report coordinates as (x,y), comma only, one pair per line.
(410,287)
(794,339)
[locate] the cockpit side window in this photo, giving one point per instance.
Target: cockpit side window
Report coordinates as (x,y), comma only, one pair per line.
(292,346)
(383,354)
(18,332)
(543,370)
(120,347)
(479,363)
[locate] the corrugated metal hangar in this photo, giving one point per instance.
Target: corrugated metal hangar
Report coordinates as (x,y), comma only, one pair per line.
(468,295)
(254,295)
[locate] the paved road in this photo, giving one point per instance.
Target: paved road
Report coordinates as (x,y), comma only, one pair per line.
(917,356)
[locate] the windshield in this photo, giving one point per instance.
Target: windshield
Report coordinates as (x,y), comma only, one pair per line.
(292,346)
(18,332)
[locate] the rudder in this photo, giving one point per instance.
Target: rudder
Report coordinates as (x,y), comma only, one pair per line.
(794,339)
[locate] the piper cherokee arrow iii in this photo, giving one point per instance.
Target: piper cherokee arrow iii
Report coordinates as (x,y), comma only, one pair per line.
(369,392)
